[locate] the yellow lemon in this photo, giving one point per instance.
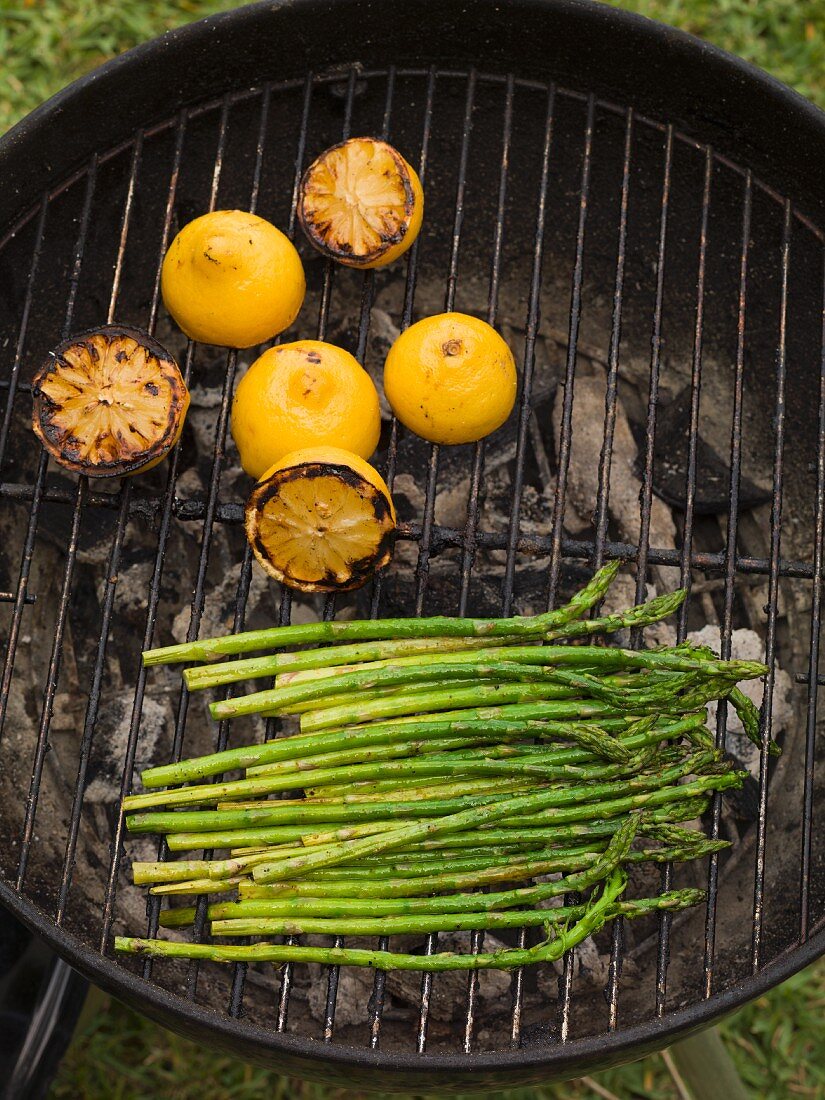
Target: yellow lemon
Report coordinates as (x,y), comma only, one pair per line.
(451,378)
(361,203)
(321,520)
(232,278)
(299,395)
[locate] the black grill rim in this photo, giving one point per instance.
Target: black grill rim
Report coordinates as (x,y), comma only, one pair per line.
(341,1064)
(306,1056)
(777,125)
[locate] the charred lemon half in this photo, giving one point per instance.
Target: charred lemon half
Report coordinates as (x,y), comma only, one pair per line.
(321,520)
(109,402)
(361,203)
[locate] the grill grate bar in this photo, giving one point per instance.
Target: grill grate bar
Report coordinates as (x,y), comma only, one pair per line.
(137,151)
(471,528)
(50,690)
(13,383)
(562,467)
(603,488)
(380,980)
(329,266)
(813,660)
(199,593)
(31,534)
(643,554)
(529,358)
(367,287)
(525,412)
(712,563)
(468,553)
(245,573)
(180,134)
(285,609)
(55,659)
(730,566)
(113,565)
(92,707)
(164,527)
(422,569)
(566,441)
(239,970)
(664,918)
(365,316)
(773,598)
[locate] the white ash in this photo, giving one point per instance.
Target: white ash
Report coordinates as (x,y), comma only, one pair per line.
(406,486)
(587,435)
(189,485)
(355,987)
(111,737)
(132,591)
(746,645)
(219,610)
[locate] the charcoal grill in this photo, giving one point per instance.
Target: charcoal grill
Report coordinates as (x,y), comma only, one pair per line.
(619,198)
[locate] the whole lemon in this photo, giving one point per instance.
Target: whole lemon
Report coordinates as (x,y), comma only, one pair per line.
(305,394)
(451,378)
(232,278)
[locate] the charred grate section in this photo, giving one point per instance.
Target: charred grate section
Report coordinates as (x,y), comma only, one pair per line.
(646,280)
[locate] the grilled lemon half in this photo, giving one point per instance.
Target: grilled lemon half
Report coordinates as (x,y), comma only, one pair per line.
(361,203)
(321,520)
(109,402)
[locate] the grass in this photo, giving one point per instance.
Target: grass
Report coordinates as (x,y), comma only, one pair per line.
(778,1042)
(46,43)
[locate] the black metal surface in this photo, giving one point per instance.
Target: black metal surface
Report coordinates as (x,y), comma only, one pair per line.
(41,998)
(543,201)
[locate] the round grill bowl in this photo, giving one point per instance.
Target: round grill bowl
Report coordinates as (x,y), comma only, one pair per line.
(627,204)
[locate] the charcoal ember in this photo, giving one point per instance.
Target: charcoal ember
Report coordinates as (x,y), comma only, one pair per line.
(746,645)
(587,437)
(408,497)
(132,591)
(94,539)
(448,997)
(219,609)
(111,737)
(383,332)
(443,585)
(355,987)
(670,464)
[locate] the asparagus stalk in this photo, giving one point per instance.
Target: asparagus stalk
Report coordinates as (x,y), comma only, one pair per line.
(600,867)
(279,637)
(599,910)
(520,805)
(351,813)
(211,675)
(286,749)
(540,826)
(279,700)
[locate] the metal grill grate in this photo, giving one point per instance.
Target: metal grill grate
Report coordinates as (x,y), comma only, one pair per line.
(618,208)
